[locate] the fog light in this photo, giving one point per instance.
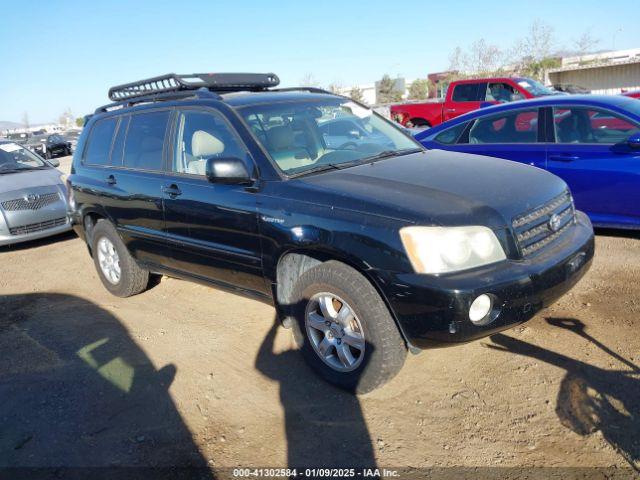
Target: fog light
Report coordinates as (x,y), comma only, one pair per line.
(480,308)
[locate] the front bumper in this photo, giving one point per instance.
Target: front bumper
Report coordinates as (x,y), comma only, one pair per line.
(433,310)
(12,239)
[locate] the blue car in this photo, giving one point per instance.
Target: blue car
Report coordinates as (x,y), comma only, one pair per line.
(591,142)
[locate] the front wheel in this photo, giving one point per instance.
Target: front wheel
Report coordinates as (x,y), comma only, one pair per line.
(344,329)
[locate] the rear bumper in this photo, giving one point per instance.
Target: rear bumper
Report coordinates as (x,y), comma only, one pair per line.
(433,311)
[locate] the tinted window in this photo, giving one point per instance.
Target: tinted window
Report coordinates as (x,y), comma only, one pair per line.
(117,150)
(145,140)
(99,142)
(466,92)
(520,126)
(450,135)
(203,135)
(585,125)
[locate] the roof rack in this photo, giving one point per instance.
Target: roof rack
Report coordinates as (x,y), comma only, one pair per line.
(157,97)
(303,89)
(172,82)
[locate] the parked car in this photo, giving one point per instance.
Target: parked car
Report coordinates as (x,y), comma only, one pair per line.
(33,199)
(365,251)
(49,146)
(350,132)
(571,88)
(633,94)
(72,137)
(20,138)
(592,142)
(464,96)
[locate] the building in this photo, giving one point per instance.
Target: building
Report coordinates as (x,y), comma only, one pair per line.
(602,73)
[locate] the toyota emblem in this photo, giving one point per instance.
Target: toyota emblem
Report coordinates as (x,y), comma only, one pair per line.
(32,197)
(554,222)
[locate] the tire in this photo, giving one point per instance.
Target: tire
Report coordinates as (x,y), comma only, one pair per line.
(419,122)
(48,155)
(132,279)
(384,349)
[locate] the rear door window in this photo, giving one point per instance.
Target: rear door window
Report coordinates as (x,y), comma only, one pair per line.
(144,146)
(99,142)
(466,92)
(519,126)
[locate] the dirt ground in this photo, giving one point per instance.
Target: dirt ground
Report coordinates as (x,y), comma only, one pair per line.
(188,375)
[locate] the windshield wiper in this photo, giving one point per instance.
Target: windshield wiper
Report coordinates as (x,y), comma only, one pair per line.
(388,154)
(360,161)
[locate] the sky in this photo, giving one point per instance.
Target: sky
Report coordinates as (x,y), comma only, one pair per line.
(57,54)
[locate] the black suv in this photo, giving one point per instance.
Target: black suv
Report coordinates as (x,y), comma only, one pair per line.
(49,146)
(367,248)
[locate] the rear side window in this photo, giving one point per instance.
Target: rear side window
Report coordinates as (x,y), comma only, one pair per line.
(145,140)
(99,142)
(451,135)
(466,92)
(519,126)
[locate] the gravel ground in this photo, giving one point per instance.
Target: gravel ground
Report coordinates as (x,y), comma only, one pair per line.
(184,374)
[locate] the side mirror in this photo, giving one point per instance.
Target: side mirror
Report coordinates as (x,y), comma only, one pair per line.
(354,133)
(227,170)
(634,141)
(54,162)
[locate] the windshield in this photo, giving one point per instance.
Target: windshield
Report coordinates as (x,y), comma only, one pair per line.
(328,133)
(535,88)
(14,158)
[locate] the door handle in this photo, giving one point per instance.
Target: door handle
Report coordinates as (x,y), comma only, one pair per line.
(564,158)
(111,180)
(172,190)
(450,110)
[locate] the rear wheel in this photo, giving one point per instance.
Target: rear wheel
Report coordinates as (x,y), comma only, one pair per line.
(344,329)
(118,270)
(420,123)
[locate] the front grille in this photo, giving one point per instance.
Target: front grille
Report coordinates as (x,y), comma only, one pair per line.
(38,227)
(31,202)
(541,226)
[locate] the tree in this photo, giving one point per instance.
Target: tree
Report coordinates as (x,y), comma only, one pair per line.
(586,42)
(25,120)
(66,118)
(309,81)
(387,92)
(482,58)
(80,122)
(419,89)
(532,55)
(356,94)
(336,87)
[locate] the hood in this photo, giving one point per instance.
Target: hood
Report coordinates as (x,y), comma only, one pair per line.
(29,179)
(439,187)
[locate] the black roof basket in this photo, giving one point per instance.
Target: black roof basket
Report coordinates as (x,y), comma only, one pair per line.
(172,82)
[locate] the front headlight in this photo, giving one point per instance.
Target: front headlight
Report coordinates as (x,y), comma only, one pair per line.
(450,249)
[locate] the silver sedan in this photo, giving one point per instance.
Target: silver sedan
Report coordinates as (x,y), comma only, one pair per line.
(33,197)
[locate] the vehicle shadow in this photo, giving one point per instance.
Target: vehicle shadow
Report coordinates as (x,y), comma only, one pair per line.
(79,396)
(591,398)
(325,426)
(620,233)
(41,242)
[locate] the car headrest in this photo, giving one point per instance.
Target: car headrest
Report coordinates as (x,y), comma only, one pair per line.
(203,144)
(281,137)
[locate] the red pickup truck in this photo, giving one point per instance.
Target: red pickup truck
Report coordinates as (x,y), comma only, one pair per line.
(464,96)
